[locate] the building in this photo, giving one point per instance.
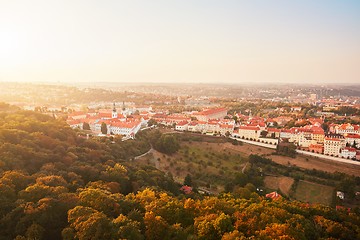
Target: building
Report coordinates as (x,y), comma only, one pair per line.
(116,123)
(247,132)
(182,126)
(75,123)
(352,140)
(316,148)
(333,146)
(347,128)
(214,113)
(124,128)
(348,152)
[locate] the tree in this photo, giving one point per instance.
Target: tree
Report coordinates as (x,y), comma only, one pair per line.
(103,128)
(263,133)
(89,223)
(35,232)
(167,144)
(86,126)
(152,122)
(286,149)
(188,180)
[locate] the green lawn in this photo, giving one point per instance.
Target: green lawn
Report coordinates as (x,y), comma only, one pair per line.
(314,193)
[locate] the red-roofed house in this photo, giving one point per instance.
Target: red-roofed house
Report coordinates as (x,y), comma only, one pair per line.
(186,189)
(75,123)
(77,115)
(226,128)
(182,126)
(274,132)
(348,152)
(273,196)
(124,128)
(347,128)
(352,138)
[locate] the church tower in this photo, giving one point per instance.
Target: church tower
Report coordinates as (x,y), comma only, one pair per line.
(114,112)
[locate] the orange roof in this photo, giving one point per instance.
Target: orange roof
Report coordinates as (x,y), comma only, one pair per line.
(352,136)
(105,115)
(226,126)
(76,113)
(350,149)
(316,146)
(125,124)
(182,123)
(211,111)
(186,189)
(193,123)
(249,128)
(273,195)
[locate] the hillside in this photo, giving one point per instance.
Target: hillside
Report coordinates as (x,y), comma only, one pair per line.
(56,184)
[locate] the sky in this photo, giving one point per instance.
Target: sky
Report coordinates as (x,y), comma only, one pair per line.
(180,41)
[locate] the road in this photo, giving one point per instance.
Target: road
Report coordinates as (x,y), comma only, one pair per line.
(322,156)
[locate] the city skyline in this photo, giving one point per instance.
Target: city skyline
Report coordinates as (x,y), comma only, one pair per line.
(175,42)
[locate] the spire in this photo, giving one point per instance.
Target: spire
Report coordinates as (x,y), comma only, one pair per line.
(114,108)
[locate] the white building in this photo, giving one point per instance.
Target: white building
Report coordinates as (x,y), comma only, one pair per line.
(247,132)
(182,126)
(347,128)
(124,128)
(352,138)
(332,146)
(348,152)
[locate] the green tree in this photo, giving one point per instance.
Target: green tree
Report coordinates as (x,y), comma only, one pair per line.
(167,144)
(188,180)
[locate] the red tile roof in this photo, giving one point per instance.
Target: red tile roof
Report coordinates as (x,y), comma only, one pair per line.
(273,195)
(249,128)
(211,111)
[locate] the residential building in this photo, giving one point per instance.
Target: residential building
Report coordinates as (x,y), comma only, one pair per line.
(214,113)
(332,146)
(182,126)
(247,132)
(348,152)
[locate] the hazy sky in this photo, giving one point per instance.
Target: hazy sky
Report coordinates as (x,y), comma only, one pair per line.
(314,41)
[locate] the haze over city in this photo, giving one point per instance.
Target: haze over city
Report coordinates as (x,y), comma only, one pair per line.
(180,41)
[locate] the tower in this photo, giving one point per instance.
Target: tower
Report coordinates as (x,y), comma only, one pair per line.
(114,112)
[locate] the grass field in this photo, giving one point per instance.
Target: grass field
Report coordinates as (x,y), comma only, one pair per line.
(213,164)
(314,193)
(282,183)
(209,163)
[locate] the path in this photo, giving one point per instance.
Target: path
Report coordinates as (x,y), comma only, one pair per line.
(144,154)
(243,169)
(342,160)
(322,156)
(255,143)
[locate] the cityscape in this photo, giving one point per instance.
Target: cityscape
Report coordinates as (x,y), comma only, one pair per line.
(179,120)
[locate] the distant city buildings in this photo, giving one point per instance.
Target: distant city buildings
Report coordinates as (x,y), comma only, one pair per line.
(123,123)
